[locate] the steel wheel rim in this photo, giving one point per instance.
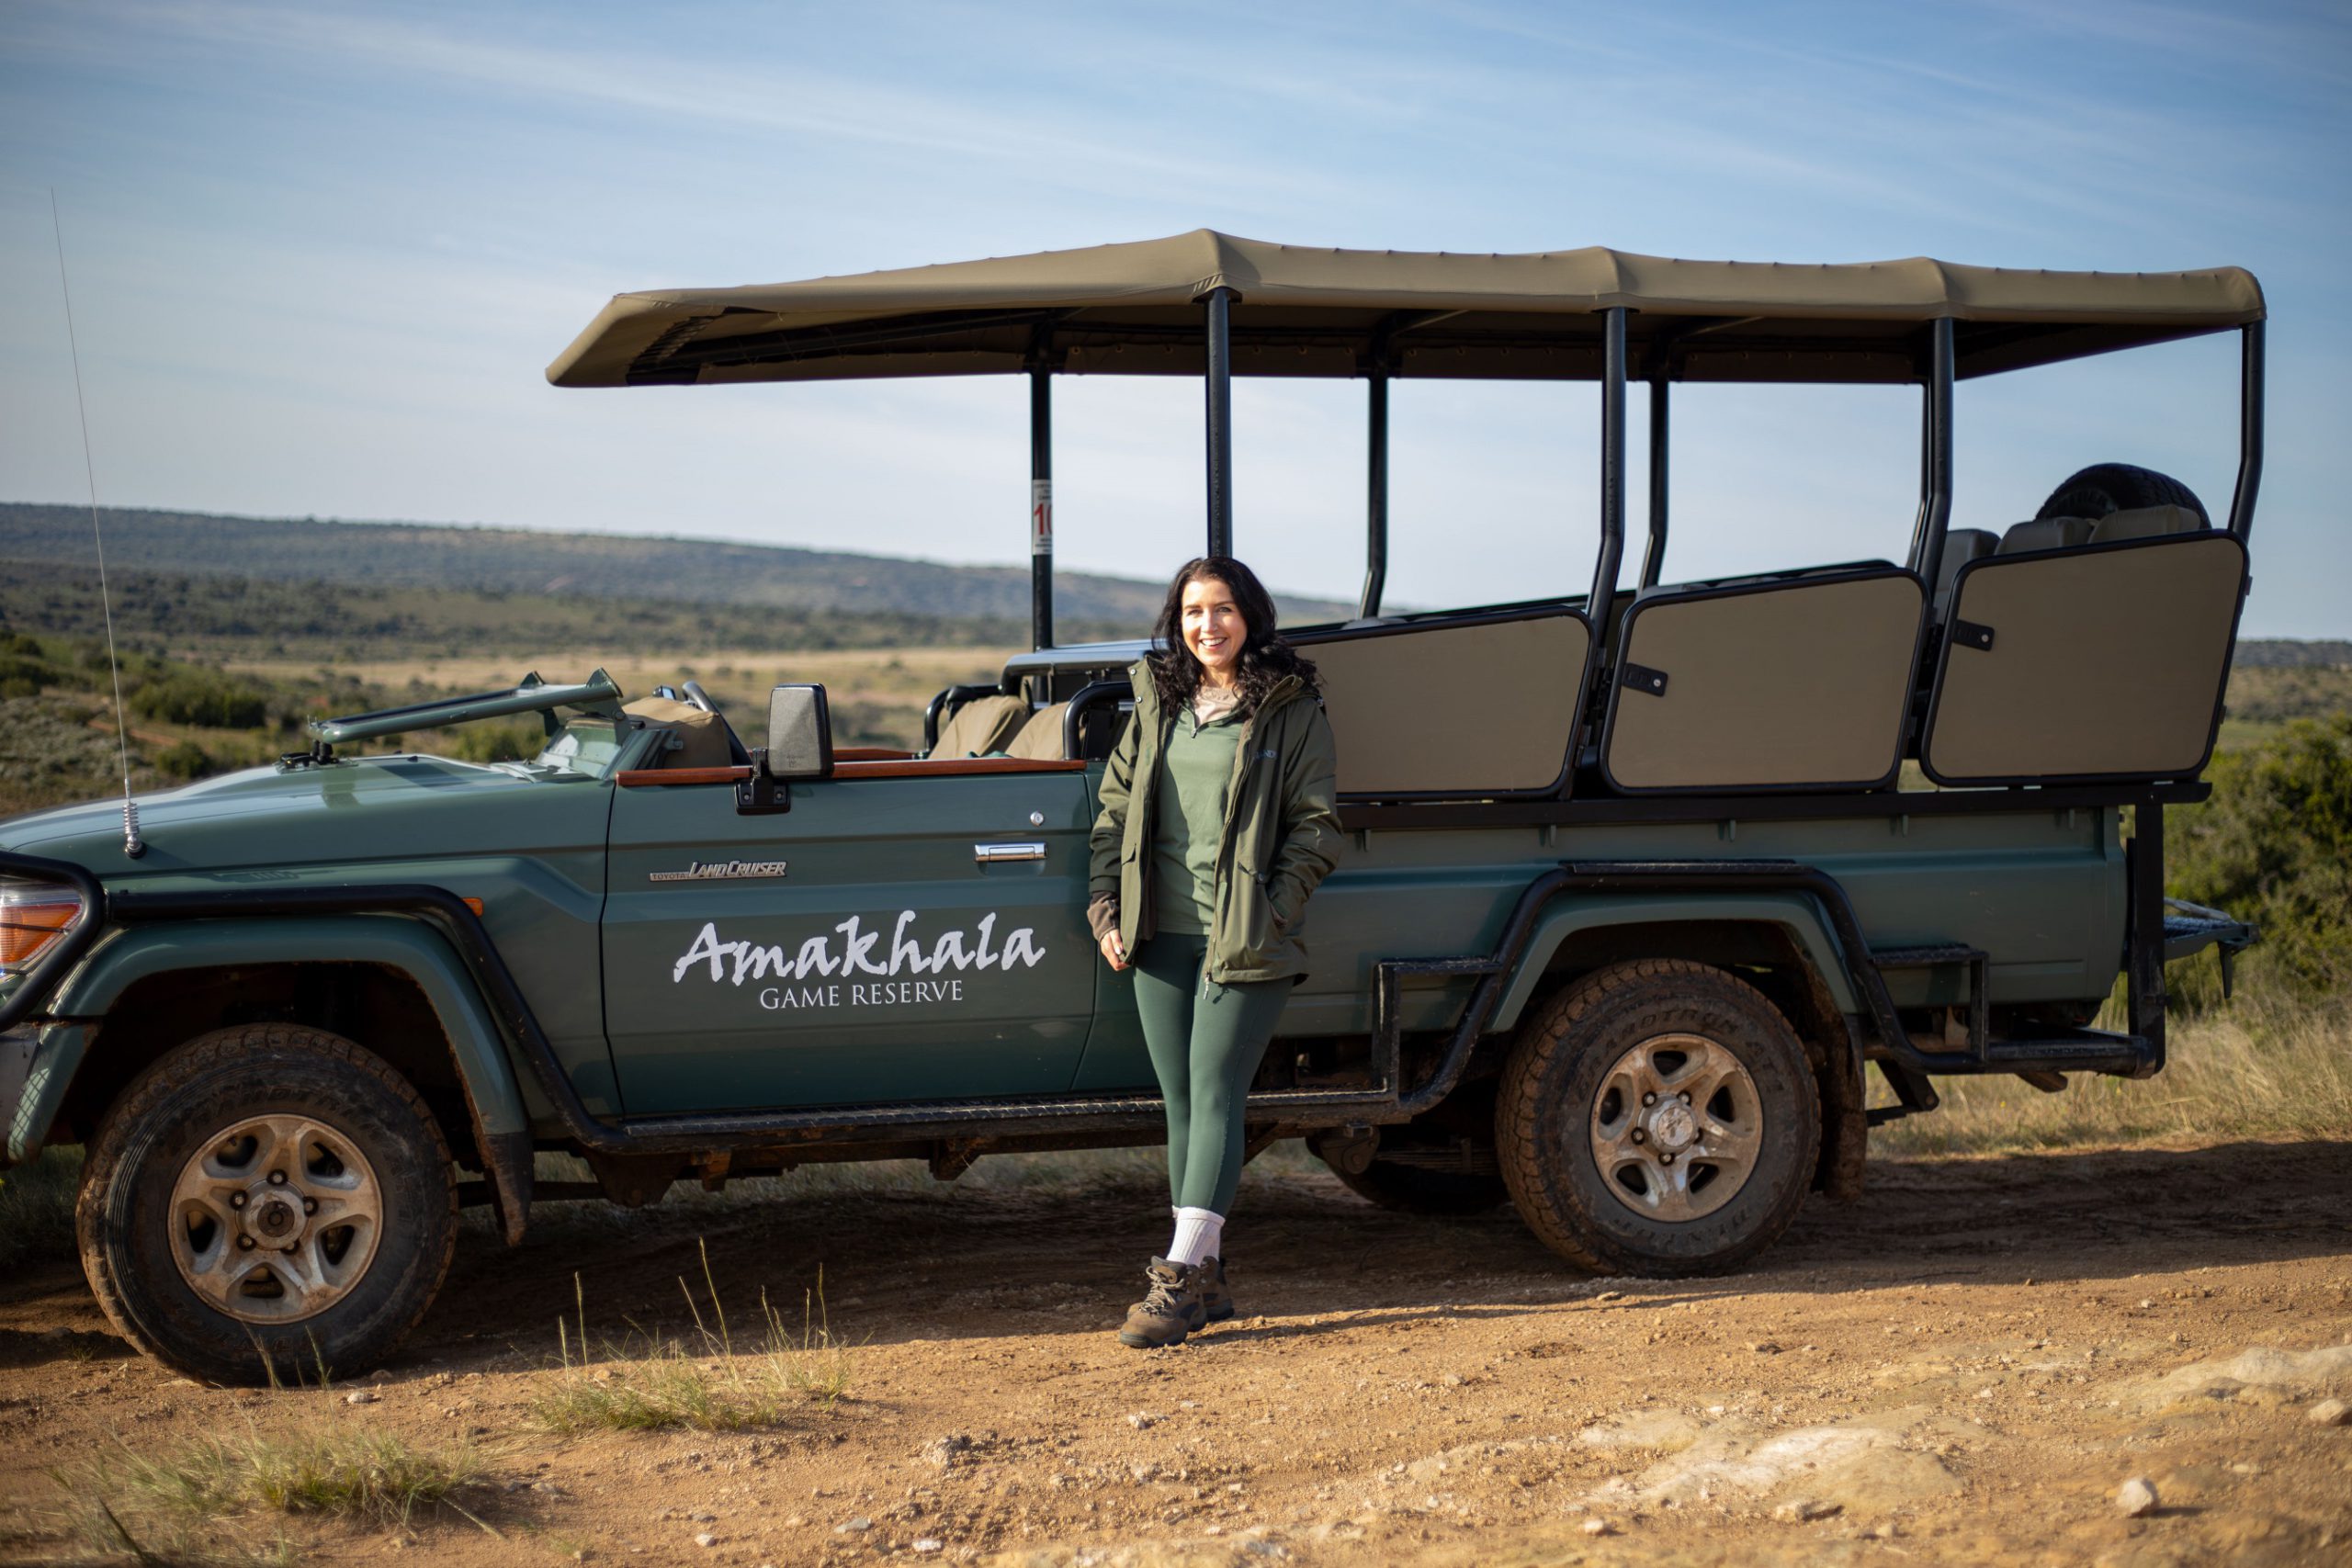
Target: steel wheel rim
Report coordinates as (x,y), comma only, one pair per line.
(1676,1127)
(276,1219)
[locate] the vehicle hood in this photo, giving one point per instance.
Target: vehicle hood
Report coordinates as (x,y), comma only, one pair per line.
(360,810)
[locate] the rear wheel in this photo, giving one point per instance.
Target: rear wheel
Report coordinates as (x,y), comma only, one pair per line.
(2118,487)
(266,1202)
(1658,1118)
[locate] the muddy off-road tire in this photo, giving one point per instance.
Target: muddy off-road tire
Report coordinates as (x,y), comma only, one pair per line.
(2118,487)
(264,1200)
(1612,1167)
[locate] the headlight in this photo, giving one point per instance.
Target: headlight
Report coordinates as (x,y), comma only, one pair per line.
(34,918)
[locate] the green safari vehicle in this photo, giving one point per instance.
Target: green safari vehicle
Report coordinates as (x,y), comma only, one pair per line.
(1633,893)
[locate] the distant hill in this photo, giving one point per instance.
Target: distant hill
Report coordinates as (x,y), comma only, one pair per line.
(600,566)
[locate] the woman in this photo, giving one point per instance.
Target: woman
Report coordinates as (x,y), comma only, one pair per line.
(1218,819)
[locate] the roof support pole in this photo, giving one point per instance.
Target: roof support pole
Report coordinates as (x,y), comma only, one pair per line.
(1654,557)
(1375,570)
(1219,304)
(1041,506)
(1612,468)
(1935,460)
(2250,400)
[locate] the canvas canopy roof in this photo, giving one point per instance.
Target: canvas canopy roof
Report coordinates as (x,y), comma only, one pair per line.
(1299,311)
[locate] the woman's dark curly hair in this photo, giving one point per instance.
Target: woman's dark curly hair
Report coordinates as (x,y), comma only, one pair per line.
(1265,657)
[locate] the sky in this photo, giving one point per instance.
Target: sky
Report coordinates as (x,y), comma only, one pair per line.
(319,256)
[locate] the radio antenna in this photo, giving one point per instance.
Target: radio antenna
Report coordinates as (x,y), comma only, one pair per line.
(133,845)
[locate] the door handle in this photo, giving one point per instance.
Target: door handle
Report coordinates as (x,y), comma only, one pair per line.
(992,855)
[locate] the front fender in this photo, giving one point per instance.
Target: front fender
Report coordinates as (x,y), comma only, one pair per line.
(394,942)
(1795,913)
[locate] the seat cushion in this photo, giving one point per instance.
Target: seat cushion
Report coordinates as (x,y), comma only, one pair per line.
(2146,522)
(982,725)
(2045,534)
(1960,547)
(1041,739)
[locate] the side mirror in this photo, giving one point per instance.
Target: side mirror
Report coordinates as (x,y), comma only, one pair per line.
(800,746)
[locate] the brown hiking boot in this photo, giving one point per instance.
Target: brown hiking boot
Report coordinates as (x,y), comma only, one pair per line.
(1169,1310)
(1215,1300)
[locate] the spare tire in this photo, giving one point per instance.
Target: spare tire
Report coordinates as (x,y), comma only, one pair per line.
(2118,487)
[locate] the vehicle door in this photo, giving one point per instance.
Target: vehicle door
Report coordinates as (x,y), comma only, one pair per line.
(905,932)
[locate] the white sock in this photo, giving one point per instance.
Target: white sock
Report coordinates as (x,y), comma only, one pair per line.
(1198,1236)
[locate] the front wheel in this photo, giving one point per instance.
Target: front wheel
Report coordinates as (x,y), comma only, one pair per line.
(268,1202)
(1658,1118)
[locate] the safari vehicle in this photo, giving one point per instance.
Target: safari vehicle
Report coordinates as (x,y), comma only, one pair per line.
(1631,898)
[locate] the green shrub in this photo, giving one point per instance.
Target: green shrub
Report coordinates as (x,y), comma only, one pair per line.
(2274,846)
(185,760)
(205,697)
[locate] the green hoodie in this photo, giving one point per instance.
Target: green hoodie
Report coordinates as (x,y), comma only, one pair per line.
(1281,834)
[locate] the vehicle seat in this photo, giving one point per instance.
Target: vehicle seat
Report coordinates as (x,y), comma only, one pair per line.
(2045,534)
(2146,522)
(1041,739)
(1960,547)
(982,725)
(705,739)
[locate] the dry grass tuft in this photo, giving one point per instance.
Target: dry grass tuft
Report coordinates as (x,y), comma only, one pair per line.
(651,1381)
(2263,1066)
(217,1499)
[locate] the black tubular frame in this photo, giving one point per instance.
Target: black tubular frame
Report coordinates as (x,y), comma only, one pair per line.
(1218,303)
(2250,419)
(1375,492)
(1041,506)
(1654,554)
(1935,456)
(1612,471)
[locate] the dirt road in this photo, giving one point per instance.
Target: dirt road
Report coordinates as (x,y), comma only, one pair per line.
(1962,1367)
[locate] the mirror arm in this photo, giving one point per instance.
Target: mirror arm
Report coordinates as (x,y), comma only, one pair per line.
(763,793)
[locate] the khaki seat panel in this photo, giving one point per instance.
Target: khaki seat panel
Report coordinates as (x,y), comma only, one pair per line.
(1040,739)
(2107,662)
(2045,534)
(1800,685)
(705,736)
(982,725)
(1486,707)
(2146,522)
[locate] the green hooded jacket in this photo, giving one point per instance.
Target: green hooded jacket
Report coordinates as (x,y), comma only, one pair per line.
(1281,834)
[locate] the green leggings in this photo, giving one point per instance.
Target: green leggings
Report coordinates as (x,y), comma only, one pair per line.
(1206,1042)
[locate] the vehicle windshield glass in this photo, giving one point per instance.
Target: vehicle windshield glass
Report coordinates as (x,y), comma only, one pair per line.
(584,747)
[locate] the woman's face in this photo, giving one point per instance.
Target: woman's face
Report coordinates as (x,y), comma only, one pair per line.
(1213,628)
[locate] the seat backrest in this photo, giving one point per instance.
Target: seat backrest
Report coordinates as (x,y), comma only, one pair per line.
(982,725)
(1475,707)
(2072,665)
(1960,547)
(1041,739)
(703,736)
(1798,683)
(2045,534)
(2146,522)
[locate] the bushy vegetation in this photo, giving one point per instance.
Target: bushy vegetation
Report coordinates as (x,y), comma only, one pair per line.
(204,697)
(2274,846)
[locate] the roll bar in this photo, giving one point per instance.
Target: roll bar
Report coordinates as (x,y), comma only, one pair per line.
(1928,529)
